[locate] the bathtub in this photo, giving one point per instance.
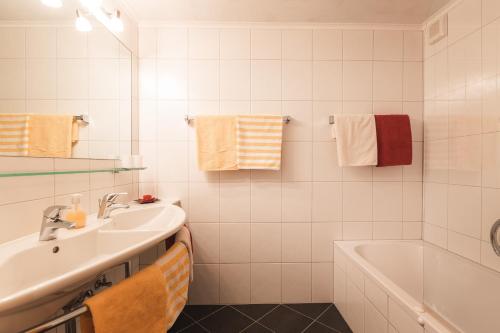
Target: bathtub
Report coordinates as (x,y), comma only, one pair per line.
(378,287)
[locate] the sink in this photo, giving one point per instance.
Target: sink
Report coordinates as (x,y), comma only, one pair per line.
(139,219)
(37,275)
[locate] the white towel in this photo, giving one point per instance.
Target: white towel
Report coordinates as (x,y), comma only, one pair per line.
(259,142)
(356,140)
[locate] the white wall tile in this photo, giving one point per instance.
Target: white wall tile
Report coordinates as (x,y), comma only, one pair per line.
(357,201)
(266,80)
(357,80)
(388,45)
(266,242)
(296,202)
(357,45)
(327,80)
(265,283)
(297,80)
(204,79)
(235,242)
(297,44)
(266,202)
(235,202)
(203,44)
(296,283)
(322,286)
(327,44)
(235,283)
(327,201)
(172,79)
(207,242)
(172,43)
(235,44)
(387,81)
(265,44)
(235,79)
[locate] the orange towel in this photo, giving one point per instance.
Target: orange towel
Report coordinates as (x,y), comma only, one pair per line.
(51,135)
(175,265)
(216,142)
(132,306)
(148,302)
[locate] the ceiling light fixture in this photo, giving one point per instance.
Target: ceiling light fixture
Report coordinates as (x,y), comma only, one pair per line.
(52,3)
(82,23)
(115,22)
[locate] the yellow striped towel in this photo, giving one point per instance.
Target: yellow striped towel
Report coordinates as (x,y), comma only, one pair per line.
(259,141)
(14,134)
(175,266)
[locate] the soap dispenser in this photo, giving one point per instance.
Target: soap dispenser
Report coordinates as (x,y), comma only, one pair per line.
(76,215)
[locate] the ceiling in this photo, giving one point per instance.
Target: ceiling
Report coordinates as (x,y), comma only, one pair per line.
(34,10)
(304,11)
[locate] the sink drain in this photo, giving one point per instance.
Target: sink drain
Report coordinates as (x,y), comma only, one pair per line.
(55,249)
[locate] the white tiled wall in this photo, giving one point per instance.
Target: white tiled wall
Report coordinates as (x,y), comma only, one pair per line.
(462,165)
(22,199)
(57,69)
(263,236)
(462,133)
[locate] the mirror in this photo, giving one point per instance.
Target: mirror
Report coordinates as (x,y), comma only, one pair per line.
(63,92)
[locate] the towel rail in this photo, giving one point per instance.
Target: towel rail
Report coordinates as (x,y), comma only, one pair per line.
(83,118)
(67,317)
(188,120)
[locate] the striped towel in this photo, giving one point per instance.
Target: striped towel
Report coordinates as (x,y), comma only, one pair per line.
(259,142)
(14,134)
(175,266)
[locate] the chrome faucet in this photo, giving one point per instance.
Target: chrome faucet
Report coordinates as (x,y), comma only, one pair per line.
(51,221)
(107,204)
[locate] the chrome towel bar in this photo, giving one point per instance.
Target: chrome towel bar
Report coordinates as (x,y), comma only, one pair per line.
(83,118)
(188,119)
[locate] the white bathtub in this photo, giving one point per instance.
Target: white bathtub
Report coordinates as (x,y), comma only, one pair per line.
(378,287)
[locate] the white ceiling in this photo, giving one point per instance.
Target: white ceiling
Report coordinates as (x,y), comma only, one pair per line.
(314,11)
(34,10)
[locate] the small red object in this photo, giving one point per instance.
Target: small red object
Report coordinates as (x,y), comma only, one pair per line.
(147,197)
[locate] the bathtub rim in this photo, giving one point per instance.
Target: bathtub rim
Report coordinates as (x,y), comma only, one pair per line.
(416,310)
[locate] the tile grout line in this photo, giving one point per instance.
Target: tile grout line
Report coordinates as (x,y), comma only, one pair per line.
(255,320)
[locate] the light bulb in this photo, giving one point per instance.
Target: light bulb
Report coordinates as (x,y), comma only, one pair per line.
(52,3)
(116,23)
(81,23)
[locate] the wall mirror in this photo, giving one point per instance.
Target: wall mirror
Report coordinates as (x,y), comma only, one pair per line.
(65,85)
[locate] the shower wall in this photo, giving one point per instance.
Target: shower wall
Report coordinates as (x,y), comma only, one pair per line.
(462,166)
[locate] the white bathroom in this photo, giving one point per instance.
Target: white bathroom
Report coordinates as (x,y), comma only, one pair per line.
(249,166)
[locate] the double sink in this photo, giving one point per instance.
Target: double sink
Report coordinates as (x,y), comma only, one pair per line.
(38,277)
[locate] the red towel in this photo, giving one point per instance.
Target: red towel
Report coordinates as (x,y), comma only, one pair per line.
(393,140)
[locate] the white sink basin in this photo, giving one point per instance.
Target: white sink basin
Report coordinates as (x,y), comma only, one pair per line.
(34,276)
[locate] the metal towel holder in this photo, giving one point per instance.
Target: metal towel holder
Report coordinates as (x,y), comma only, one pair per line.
(83,118)
(494,237)
(189,120)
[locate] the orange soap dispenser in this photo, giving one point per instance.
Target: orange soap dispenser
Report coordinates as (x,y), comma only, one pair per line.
(76,215)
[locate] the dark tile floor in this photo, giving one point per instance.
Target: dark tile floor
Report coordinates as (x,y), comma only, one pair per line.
(261,318)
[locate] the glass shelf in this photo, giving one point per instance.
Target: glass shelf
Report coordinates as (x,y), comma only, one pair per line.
(65,172)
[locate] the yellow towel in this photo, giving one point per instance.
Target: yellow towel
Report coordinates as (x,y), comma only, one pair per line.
(175,266)
(216,139)
(50,135)
(259,142)
(132,306)
(184,236)
(148,302)
(14,131)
